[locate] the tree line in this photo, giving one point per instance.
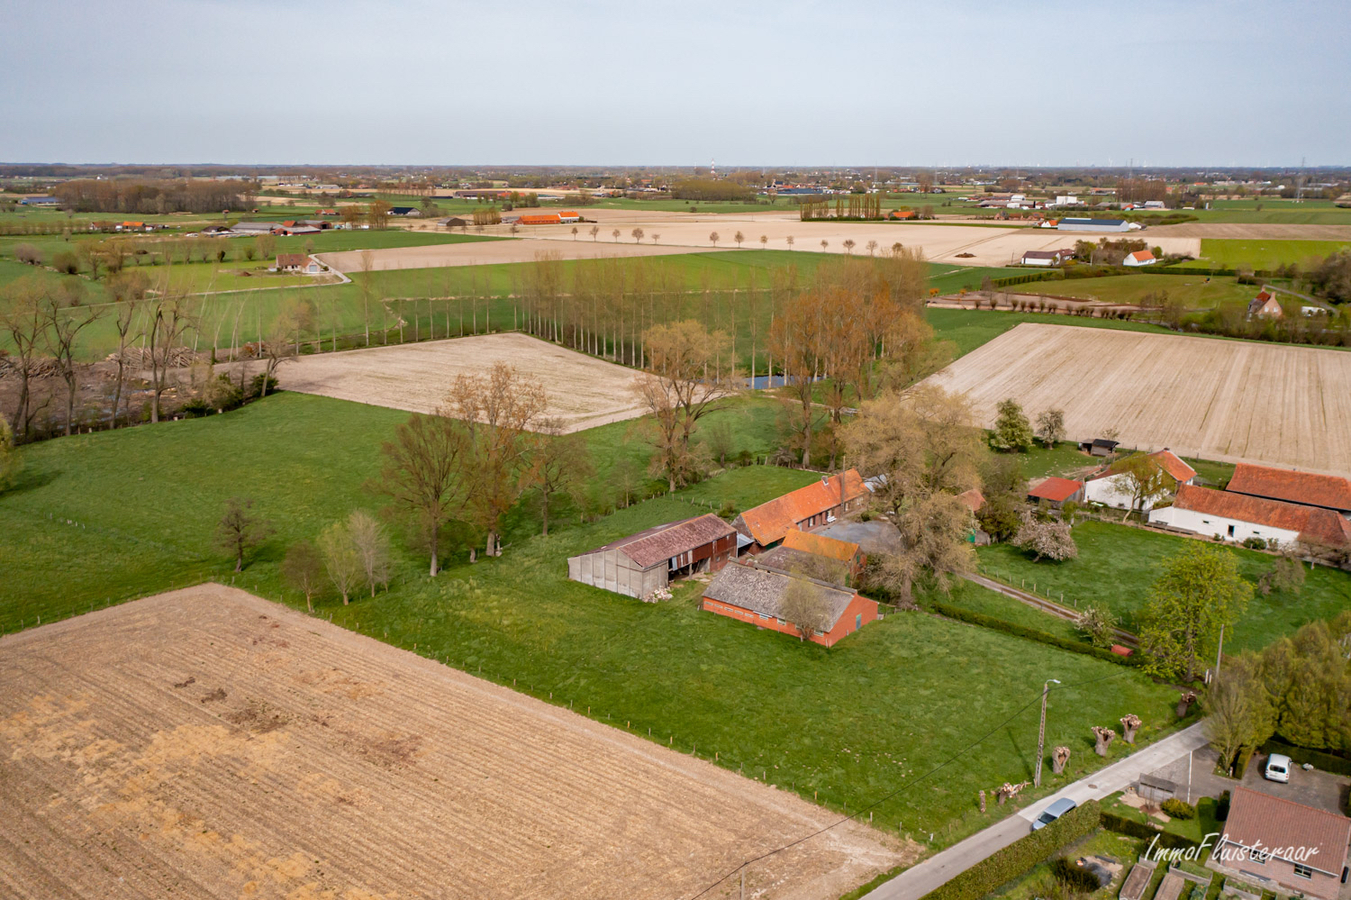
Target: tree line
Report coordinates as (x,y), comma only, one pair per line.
(130,195)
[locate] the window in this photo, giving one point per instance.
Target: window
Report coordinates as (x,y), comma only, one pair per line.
(763,616)
(782,622)
(1303,871)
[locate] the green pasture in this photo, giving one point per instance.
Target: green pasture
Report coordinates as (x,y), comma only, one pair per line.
(105,517)
(1264,254)
(1118,563)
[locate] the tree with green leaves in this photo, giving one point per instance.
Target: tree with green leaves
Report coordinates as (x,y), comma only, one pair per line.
(1141,481)
(1012,432)
(342,560)
(1240,711)
(1199,593)
(1098,625)
(424,476)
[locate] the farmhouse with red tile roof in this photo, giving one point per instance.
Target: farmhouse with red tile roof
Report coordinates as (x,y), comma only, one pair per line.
(1111,487)
(1327,491)
(1270,839)
(803,509)
(1232,516)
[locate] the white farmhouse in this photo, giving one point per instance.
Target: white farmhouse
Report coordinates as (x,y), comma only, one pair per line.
(1139,258)
(1110,486)
(1231,516)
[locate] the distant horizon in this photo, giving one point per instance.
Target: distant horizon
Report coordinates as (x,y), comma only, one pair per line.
(948,167)
(1241,84)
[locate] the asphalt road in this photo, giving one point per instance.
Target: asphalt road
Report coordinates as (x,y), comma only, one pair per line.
(919,879)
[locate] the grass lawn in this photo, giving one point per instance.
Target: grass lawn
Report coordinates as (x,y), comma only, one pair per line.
(117,514)
(1263,254)
(1118,563)
(1196,292)
(975,598)
(970,328)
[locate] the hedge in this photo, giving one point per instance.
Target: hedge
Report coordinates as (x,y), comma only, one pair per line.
(1132,828)
(1241,763)
(1014,860)
(975,618)
(1327,762)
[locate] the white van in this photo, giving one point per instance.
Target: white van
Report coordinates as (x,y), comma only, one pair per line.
(1278,768)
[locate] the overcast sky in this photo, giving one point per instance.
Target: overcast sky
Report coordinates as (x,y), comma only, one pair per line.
(787,82)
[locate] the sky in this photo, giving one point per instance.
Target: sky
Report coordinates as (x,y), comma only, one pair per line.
(787,83)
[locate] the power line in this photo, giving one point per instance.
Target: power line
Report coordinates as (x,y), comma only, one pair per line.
(909,784)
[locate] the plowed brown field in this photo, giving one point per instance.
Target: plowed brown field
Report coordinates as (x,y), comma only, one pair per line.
(583,391)
(1214,399)
(208,744)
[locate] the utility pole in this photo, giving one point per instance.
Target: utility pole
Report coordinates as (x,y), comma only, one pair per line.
(1041,732)
(1219,652)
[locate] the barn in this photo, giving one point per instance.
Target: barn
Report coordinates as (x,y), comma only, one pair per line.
(752,594)
(641,563)
(1056,492)
(816,504)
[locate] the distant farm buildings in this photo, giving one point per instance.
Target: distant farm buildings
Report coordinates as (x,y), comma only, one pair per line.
(1265,306)
(1139,258)
(1042,258)
(642,563)
(298,262)
(40,201)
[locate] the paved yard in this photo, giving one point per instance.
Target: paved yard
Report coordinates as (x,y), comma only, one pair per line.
(1321,790)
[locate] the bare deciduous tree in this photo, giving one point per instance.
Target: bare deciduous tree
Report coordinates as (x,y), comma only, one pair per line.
(738,237)
(637,235)
(303,569)
(497,409)
(804,606)
(170,319)
(67,315)
(23,322)
(371,543)
(240,530)
(713,237)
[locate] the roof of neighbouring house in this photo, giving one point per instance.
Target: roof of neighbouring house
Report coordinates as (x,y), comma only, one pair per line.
(1104,443)
(820,545)
(769,522)
(287,260)
(1311,523)
(973,500)
(661,542)
(1330,491)
(762,591)
(1041,254)
(1142,256)
(401,210)
(1167,460)
(1056,489)
(1276,822)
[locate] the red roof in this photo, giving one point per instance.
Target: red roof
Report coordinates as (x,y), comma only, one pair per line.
(1276,823)
(973,499)
(1309,522)
(1167,460)
(1142,256)
(658,544)
(1330,491)
(1057,490)
(544,219)
(770,522)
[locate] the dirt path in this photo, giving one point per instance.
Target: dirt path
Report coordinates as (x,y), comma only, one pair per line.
(206,743)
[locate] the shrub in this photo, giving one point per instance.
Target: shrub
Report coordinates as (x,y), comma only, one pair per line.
(1255,543)
(1179,809)
(1012,861)
(256,386)
(1222,807)
(196,408)
(1241,762)
(1097,622)
(1075,878)
(66,262)
(28,254)
(222,393)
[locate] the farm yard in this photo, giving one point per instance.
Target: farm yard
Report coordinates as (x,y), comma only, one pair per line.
(1223,400)
(103,517)
(582,391)
(211,744)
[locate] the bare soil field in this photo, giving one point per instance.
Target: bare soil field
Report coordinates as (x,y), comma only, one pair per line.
(584,392)
(1225,400)
(478,253)
(1254,231)
(206,743)
(987,246)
